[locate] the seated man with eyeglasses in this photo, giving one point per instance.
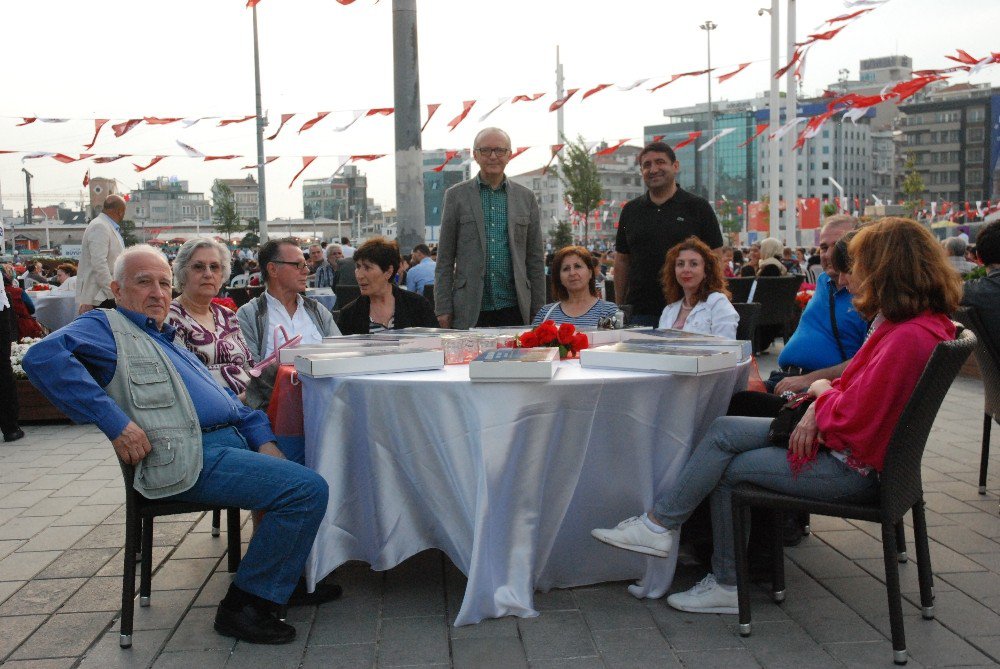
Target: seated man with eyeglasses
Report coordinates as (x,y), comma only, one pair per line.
(490,268)
(284,269)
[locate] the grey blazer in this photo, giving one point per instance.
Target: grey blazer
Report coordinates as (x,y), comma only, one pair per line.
(461,263)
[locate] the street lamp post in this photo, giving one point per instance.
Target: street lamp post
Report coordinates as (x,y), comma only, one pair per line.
(774,118)
(708,27)
(261,122)
(791,158)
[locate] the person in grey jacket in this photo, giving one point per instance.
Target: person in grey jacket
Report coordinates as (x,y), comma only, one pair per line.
(284,271)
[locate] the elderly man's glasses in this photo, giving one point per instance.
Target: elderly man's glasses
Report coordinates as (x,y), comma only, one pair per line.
(300,265)
(499,152)
(200,267)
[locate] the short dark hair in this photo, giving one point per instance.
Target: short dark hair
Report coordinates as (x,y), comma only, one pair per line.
(269,252)
(988,244)
(423,248)
(345,240)
(657,147)
(379,251)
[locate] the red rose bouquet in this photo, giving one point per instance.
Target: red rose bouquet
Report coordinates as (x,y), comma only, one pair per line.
(564,337)
(38,287)
(805,294)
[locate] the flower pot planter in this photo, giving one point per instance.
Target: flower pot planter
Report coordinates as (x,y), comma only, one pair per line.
(34,406)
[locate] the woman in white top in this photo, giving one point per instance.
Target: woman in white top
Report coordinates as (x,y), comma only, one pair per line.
(697,299)
(66,276)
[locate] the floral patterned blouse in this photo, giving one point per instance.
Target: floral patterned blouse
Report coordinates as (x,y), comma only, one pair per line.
(223,351)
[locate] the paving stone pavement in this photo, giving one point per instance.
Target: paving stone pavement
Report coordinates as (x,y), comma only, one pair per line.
(61,532)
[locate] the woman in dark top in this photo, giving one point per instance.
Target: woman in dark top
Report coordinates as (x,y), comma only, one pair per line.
(382,305)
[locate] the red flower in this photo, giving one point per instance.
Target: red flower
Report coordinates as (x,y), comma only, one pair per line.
(580,342)
(529,340)
(566,331)
(226,302)
(547,333)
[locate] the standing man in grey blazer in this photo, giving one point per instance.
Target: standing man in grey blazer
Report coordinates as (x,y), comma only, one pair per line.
(102,244)
(490,269)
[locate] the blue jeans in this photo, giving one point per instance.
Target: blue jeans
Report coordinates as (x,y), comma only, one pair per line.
(735,449)
(294,497)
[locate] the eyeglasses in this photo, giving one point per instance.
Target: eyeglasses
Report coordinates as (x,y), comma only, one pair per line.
(300,265)
(200,268)
(499,152)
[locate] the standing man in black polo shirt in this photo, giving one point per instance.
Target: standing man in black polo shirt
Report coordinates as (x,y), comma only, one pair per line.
(650,225)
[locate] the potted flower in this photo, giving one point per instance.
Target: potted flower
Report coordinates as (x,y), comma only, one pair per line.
(33,405)
(564,337)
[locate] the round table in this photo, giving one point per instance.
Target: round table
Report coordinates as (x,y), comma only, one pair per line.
(54,308)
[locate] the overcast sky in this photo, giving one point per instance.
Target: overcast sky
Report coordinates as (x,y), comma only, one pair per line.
(122,59)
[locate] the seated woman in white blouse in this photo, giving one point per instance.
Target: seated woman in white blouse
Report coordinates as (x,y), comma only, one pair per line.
(697,299)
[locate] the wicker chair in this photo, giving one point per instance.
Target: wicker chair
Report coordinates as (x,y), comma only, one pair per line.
(139,515)
(749,313)
(988,358)
(900,490)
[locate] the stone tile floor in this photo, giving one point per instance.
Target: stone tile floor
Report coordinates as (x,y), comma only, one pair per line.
(61,532)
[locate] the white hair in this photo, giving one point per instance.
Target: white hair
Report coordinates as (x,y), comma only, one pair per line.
(184,257)
(118,274)
(486,131)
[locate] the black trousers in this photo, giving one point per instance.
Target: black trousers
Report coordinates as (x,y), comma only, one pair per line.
(500,318)
(8,388)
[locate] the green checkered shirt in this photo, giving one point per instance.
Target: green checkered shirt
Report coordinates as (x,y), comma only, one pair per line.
(498,282)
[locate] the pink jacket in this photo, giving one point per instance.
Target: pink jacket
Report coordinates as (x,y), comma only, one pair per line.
(860,412)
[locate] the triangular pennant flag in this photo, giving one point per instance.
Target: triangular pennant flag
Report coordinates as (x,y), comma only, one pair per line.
(555,148)
(285,118)
(86,179)
(658,138)
(190,150)
(306,161)
(98,124)
(226,157)
(431,108)
(520,150)
(596,89)
(123,127)
(678,76)
(634,84)
(269,159)
(63,158)
(715,139)
(26,120)
(526,98)
(111,159)
(563,100)
(381,111)
(611,149)
(367,156)
(730,75)
(252,3)
(153,120)
(229,121)
(448,157)
(466,108)
(357,114)
(311,122)
(788,127)
(140,168)
(690,138)
(495,107)
(795,58)
(848,17)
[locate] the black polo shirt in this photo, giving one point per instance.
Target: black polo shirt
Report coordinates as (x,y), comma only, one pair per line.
(646,232)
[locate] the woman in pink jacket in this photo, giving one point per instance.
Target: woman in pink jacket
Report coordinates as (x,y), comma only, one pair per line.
(902,283)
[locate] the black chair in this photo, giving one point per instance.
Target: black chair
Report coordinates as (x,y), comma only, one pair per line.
(346,294)
(139,515)
(749,313)
(609,290)
(429,293)
(900,490)
(739,287)
(988,358)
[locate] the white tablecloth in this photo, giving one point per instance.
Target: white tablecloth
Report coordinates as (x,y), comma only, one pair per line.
(507,479)
(54,308)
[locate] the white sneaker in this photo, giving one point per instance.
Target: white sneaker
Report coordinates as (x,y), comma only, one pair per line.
(633,535)
(706,597)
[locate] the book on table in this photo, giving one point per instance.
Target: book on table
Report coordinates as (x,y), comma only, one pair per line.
(741,348)
(368,361)
(657,356)
(515,364)
(287,356)
(390,338)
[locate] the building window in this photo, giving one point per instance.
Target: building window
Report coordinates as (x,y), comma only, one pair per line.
(825,164)
(974,155)
(973,135)
(826,150)
(974,176)
(825,182)
(976,114)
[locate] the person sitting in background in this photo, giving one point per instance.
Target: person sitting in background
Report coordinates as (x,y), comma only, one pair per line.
(66,277)
(574,282)
(382,305)
(753,261)
(770,258)
(984,293)
(695,290)
(210,331)
(328,273)
(904,284)
(23,309)
(421,271)
(34,274)
(727,262)
(955,247)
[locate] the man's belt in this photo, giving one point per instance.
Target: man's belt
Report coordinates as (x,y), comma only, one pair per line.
(214,428)
(793,370)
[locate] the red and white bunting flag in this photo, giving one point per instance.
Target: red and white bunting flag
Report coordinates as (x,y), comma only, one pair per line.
(188,122)
(343,2)
(268,159)
(155,120)
(37,154)
(520,150)
(123,127)
(110,159)
(190,150)
(466,108)
(306,162)
(63,158)
(817,37)
(848,17)
(905,89)
(500,103)
(963,57)
(313,121)
(252,3)
(356,115)
(563,100)
(285,118)
(715,139)
(611,149)
(229,121)
(692,136)
(787,128)
(555,148)
(596,89)
(86,179)
(143,168)
(98,124)
(448,157)
(635,84)
(26,120)
(795,58)
(658,138)
(380,111)
(730,75)
(850,4)
(431,108)
(675,77)
(812,128)
(526,98)
(54,120)
(367,156)
(226,157)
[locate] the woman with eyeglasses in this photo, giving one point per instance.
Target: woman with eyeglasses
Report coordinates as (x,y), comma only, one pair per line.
(209,330)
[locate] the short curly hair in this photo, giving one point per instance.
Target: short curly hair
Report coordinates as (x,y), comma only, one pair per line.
(187,250)
(715,281)
(379,251)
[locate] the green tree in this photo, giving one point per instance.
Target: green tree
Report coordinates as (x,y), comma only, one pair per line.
(728,218)
(224,216)
(583,185)
(562,235)
(127,228)
(253,224)
(250,240)
(913,185)
(829,209)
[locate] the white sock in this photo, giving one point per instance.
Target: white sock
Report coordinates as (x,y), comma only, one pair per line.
(659,529)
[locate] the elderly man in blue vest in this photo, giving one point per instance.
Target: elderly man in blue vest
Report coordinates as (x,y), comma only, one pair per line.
(187,437)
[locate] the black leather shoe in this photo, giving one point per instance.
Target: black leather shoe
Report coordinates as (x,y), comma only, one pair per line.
(325,592)
(14,436)
(252,625)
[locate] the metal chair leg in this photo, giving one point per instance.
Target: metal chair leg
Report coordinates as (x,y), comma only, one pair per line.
(740,516)
(901,556)
(146,565)
(233,538)
(924,573)
(128,575)
(216,522)
(984,458)
(893,594)
(778,558)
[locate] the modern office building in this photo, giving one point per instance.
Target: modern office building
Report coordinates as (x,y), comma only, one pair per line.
(166,201)
(454,171)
